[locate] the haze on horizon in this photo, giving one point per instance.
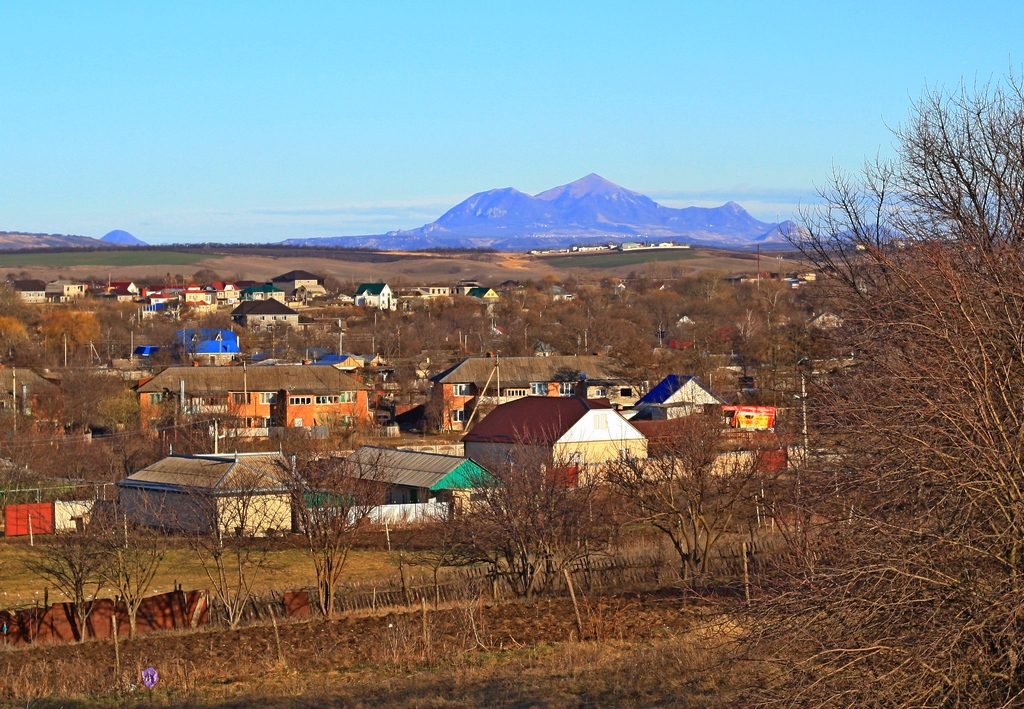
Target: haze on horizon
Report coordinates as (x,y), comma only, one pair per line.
(237,122)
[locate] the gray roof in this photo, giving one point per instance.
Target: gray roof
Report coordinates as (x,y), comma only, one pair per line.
(295,379)
(521,371)
(409,468)
(9,377)
(216,474)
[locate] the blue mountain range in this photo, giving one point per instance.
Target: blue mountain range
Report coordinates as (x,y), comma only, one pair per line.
(589,210)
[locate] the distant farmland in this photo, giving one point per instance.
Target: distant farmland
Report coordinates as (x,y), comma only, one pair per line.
(104,258)
(614,259)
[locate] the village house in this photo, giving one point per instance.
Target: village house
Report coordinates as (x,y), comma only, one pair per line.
(126,286)
(264,314)
(676,396)
(458,390)
(62,291)
(265,291)
(224,293)
(293,280)
(208,346)
(413,477)
(255,399)
(22,389)
(484,294)
(561,432)
(375,295)
(31,291)
(233,494)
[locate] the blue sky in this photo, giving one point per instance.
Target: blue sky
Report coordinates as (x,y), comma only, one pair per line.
(260,121)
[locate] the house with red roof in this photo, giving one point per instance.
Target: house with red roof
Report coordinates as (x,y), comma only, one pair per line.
(567,431)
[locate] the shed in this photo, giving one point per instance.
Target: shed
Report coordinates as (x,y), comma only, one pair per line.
(237,493)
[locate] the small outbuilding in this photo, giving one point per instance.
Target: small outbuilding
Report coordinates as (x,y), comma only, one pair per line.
(236,493)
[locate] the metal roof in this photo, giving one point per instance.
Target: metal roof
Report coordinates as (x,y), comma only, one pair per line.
(215,474)
(371,288)
(522,371)
(533,419)
(295,378)
(669,386)
(412,468)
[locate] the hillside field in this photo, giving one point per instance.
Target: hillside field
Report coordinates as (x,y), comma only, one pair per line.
(121,259)
(400,269)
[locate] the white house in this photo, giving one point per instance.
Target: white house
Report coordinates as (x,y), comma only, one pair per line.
(375,295)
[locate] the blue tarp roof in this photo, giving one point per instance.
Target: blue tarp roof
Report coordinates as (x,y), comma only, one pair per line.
(146,350)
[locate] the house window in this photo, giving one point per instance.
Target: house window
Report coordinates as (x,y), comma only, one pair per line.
(157,398)
(242,398)
(599,392)
(460,389)
(566,389)
(625,391)
(299,400)
(346,397)
(459,416)
(328,399)
(601,422)
(268,397)
(539,388)
(515,392)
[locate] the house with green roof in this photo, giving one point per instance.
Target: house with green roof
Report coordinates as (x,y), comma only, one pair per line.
(483,293)
(375,295)
(267,291)
(413,477)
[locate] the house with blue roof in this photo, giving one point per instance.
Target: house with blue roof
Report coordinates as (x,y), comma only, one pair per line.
(207,345)
(675,396)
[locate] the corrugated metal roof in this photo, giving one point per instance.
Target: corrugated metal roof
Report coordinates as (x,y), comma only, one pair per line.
(669,386)
(522,371)
(209,381)
(262,472)
(409,468)
(533,419)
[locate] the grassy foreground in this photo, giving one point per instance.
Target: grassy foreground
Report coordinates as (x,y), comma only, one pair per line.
(638,649)
(286,569)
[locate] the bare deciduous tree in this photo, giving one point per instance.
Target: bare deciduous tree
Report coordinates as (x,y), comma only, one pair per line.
(914,594)
(691,489)
(73,563)
(332,498)
(531,517)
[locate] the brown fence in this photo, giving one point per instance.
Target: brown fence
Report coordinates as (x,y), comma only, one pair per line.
(641,567)
(58,623)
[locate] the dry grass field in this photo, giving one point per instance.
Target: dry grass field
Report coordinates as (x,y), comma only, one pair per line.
(287,569)
(638,649)
(406,269)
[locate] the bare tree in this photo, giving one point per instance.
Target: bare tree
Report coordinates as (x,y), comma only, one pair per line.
(232,545)
(132,556)
(332,498)
(912,595)
(73,563)
(531,517)
(691,489)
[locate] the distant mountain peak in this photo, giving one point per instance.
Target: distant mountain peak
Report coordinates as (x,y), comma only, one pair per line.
(592,184)
(120,236)
(590,209)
